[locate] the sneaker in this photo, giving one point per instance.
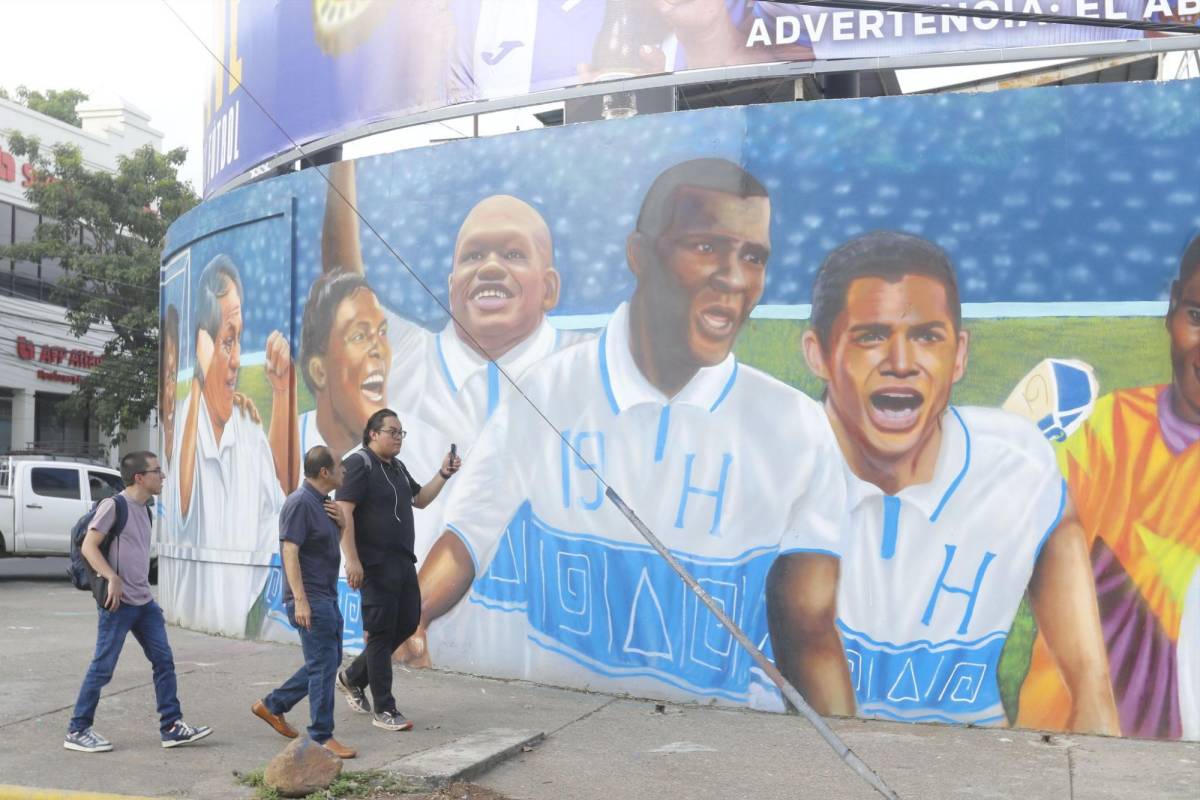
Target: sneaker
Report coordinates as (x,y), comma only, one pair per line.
(182,733)
(391,721)
(87,741)
(356,698)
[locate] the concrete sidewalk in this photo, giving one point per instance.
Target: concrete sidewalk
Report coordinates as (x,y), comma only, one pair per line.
(596,746)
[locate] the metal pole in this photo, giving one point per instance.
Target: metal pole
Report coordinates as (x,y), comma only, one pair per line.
(848,756)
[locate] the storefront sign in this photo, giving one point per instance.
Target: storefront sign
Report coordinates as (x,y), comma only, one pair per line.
(55,354)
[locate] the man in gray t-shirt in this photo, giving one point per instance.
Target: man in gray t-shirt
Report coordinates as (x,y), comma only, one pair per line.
(128,607)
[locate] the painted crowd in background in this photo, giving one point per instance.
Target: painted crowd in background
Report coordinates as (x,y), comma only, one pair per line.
(910,385)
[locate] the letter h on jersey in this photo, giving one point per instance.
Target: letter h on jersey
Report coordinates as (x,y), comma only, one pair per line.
(972,594)
(717,494)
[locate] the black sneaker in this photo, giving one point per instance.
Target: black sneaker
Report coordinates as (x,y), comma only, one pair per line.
(356,698)
(182,733)
(87,741)
(391,721)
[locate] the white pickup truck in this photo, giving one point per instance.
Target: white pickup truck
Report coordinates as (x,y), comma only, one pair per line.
(42,498)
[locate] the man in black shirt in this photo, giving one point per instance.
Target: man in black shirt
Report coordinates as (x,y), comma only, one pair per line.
(377,499)
(310,526)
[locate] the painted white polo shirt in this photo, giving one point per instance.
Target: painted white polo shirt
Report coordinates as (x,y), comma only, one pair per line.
(1188,655)
(231,530)
(932,577)
(721,472)
(449,392)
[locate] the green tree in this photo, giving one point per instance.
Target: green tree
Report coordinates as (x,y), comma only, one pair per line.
(52,103)
(107,231)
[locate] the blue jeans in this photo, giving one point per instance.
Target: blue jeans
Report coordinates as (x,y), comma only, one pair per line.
(322,647)
(146,623)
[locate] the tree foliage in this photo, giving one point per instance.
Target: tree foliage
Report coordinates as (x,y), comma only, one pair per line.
(107,231)
(52,103)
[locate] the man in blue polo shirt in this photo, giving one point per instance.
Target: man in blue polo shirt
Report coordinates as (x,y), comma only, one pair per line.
(310,527)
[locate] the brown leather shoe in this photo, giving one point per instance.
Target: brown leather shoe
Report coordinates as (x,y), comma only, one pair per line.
(276,721)
(338,749)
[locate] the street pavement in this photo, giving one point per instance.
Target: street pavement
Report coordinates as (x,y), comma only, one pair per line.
(596,746)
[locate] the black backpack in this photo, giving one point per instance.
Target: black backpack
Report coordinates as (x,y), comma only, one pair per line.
(81,571)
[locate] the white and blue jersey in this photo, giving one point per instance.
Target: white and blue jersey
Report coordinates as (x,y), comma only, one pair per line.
(444,393)
(931,578)
(721,472)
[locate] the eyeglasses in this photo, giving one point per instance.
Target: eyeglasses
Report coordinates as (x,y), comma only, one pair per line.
(395,433)
(156,471)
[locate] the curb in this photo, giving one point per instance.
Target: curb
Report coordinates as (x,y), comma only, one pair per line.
(462,759)
(32,793)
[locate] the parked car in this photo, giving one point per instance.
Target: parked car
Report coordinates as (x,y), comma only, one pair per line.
(41,498)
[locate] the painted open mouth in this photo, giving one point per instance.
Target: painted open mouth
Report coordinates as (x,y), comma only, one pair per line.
(896,409)
(372,387)
(491,296)
(718,322)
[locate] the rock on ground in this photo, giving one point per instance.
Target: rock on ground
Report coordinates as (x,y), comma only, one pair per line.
(302,768)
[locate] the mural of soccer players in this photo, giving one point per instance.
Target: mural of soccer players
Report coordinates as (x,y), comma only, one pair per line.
(233,476)
(1133,470)
(660,410)
(501,286)
(954,513)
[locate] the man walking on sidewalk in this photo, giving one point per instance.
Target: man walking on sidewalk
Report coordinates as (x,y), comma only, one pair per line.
(129,606)
(377,501)
(310,526)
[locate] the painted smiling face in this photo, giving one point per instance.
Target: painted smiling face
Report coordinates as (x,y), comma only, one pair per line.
(357,359)
(892,358)
(503,281)
(712,260)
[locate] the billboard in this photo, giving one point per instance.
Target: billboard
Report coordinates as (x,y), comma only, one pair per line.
(910,385)
(327,66)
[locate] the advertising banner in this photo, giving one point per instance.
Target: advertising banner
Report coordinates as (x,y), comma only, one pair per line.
(327,66)
(910,385)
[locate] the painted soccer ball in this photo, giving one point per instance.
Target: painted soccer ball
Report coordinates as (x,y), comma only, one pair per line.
(1057,395)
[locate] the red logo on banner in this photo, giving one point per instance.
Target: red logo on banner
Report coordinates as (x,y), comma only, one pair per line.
(24,349)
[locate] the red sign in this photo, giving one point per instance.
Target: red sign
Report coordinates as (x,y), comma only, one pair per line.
(54,354)
(8,170)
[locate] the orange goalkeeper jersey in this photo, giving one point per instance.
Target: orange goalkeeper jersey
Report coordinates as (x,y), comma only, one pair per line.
(1139,504)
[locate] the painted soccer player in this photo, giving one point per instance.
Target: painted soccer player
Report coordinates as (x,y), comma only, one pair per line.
(167,379)
(501,286)
(661,409)
(954,512)
(232,476)
(1133,470)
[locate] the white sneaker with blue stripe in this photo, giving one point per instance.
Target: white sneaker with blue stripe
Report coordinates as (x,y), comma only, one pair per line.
(182,733)
(87,741)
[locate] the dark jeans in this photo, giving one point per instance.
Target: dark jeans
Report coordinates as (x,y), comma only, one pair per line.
(391,609)
(322,647)
(146,623)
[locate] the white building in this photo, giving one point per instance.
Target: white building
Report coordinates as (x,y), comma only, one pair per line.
(40,360)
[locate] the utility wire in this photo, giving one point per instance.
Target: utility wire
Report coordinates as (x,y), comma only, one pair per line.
(987,13)
(848,756)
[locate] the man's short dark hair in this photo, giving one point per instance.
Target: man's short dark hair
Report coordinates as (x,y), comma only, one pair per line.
(134,464)
(326,294)
(215,281)
(716,174)
(375,423)
(316,459)
(889,255)
(1188,266)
